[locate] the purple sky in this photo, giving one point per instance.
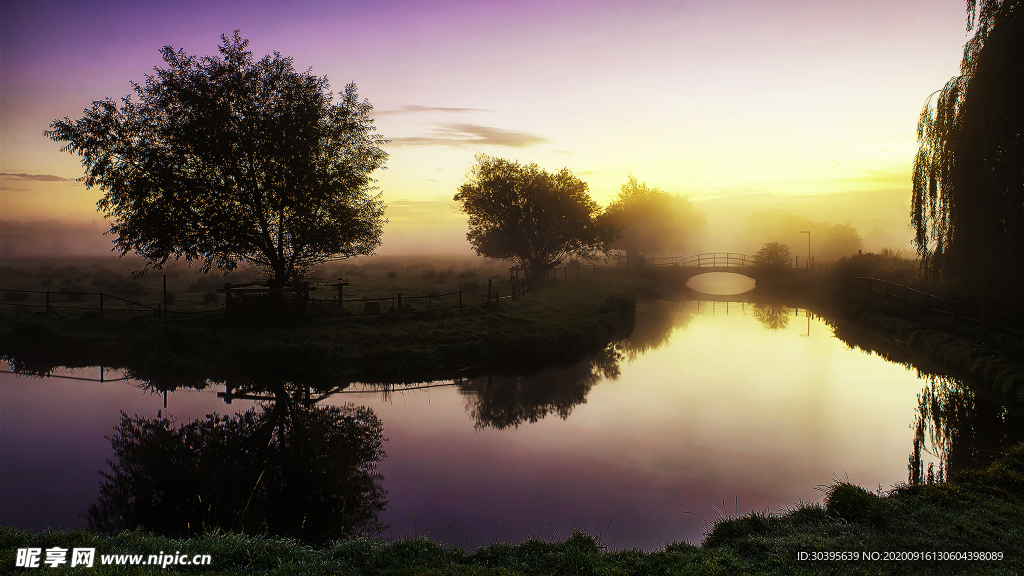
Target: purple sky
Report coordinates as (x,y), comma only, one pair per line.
(710,99)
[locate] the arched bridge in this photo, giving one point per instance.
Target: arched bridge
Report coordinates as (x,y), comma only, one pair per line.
(718,262)
(707,262)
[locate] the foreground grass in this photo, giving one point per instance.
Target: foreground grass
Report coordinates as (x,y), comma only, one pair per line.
(559,321)
(978,511)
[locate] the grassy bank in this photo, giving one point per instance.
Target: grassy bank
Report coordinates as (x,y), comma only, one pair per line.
(988,359)
(978,511)
(557,322)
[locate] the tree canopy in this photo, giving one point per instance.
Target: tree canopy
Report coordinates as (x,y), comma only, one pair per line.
(531,217)
(968,183)
(772,254)
(227,160)
(652,221)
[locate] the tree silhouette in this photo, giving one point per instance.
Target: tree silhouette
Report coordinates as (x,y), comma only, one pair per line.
(530,217)
(223,160)
(652,221)
(772,255)
(968,182)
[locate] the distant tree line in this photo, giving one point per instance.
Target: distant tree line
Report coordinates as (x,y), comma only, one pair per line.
(537,220)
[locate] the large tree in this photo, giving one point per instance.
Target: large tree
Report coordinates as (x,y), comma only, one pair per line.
(531,217)
(653,221)
(968,181)
(227,160)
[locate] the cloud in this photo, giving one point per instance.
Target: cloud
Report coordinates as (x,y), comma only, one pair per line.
(412,108)
(36,177)
(471,135)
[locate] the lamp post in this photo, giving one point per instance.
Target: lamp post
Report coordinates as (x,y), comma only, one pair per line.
(808,232)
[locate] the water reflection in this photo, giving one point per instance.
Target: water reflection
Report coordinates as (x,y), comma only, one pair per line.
(288,469)
(508,401)
(654,325)
(774,317)
(963,430)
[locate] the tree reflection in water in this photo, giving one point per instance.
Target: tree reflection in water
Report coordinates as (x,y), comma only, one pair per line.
(655,323)
(963,429)
(772,316)
(289,468)
(508,401)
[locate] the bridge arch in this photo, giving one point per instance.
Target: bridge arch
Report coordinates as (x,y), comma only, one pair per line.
(708,262)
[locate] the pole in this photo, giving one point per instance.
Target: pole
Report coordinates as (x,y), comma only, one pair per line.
(489,281)
(101,304)
(165,291)
(460,302)
(808,232)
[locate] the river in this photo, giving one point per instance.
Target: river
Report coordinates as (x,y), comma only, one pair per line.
(709,409)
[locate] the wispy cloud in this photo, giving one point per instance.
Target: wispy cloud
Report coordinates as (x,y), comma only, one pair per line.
(36,177)
(413,108)
(471,135)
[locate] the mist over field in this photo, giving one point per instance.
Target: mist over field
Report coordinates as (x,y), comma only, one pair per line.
(736,223)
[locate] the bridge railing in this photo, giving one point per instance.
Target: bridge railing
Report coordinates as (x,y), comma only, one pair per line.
(718,260)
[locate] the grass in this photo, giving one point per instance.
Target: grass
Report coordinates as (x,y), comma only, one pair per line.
(987,358)
(977,511)
(558,322)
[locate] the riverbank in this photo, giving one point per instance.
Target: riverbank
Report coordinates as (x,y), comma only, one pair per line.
(970,525)
(556,323)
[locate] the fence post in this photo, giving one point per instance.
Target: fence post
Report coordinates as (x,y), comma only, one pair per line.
(227,297)
(47,300)
(460,302)
(489,281)
(399,300)
(165,291)
(101,304)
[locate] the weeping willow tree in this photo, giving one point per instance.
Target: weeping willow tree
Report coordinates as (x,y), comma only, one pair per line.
(968,182)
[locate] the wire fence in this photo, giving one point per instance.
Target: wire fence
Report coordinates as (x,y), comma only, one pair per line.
(927,301)
(252,296)
(305,298)
(101,302)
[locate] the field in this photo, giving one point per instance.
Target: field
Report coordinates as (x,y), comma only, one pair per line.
(557,321)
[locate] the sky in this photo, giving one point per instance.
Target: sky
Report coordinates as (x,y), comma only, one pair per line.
(739,104)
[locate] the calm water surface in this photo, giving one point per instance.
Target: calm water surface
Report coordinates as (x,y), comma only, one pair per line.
(710,408)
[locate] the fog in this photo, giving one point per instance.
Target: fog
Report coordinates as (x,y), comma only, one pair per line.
(744,223)
(735,223)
